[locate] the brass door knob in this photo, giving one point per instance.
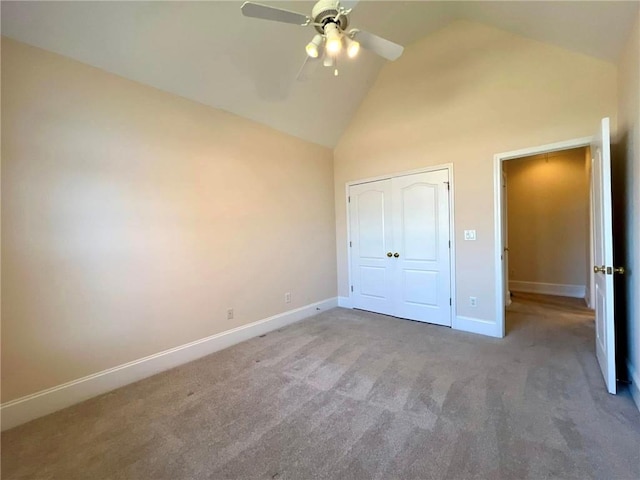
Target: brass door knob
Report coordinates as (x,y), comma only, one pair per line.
(396,254)
(389,254)
(597,269)
(619,270)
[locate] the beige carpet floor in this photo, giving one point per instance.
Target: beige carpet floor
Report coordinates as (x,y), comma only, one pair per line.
(355,395)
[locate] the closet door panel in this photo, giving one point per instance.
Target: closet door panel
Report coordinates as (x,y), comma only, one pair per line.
(399,246)
(371,240)
(421,235)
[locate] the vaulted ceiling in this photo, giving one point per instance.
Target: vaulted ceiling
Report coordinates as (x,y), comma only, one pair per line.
(210,53)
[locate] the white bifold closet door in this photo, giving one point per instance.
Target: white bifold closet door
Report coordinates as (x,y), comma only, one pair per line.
(400,247)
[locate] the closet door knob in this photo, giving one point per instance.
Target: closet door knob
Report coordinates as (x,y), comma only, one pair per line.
(396,254)
(389,254)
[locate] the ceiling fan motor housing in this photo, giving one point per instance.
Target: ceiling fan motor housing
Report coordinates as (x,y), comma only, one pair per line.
(326,11)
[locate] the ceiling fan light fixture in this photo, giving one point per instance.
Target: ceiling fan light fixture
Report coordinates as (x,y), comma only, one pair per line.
(329,61)
(330,20)
(314,46)
(353,47)
(334,38)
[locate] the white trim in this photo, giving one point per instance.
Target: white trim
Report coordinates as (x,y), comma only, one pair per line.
(21,410)
(347,202)
(452,250)
(499,243)
(477,325)
(345,302)
(498,158)
(587,298)
(505,238)
(575,291)
(591,290)
(634,388)
(434,168)
(549,147)
(452,235)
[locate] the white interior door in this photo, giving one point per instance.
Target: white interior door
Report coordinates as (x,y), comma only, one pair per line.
(420,209)
(371,243)
(400,249)
(603,255)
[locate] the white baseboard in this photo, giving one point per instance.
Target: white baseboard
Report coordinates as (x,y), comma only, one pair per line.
(576,291)
(345,302)
(22,410)
(587,297)
(634,388)
(476,325)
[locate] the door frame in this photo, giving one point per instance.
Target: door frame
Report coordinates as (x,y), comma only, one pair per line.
(498,158)
(452,237)
(505,240)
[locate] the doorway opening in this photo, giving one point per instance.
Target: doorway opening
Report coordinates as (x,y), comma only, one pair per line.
(547,237)
(547,226)
(535,170)
(602,294)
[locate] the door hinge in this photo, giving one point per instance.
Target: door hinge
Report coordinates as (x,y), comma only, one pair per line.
(448,186)
(350,244)
(450,302)
(352,288)
(349,198)
(449,243)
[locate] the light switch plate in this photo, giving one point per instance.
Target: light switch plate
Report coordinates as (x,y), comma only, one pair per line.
(469,234)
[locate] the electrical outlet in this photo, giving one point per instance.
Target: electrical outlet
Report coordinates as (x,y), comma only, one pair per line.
(287,297)
(473,301)
(230,314)
(469,234)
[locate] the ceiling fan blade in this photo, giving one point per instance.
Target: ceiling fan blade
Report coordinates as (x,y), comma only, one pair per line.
(381,46)
(265,12)
(308,67)
(348,4)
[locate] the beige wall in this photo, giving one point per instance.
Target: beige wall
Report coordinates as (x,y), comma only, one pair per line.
(132,219)
(629,165)
(462,95)
(547,197)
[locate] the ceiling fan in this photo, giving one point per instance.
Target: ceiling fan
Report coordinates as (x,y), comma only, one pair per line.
(330,19)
